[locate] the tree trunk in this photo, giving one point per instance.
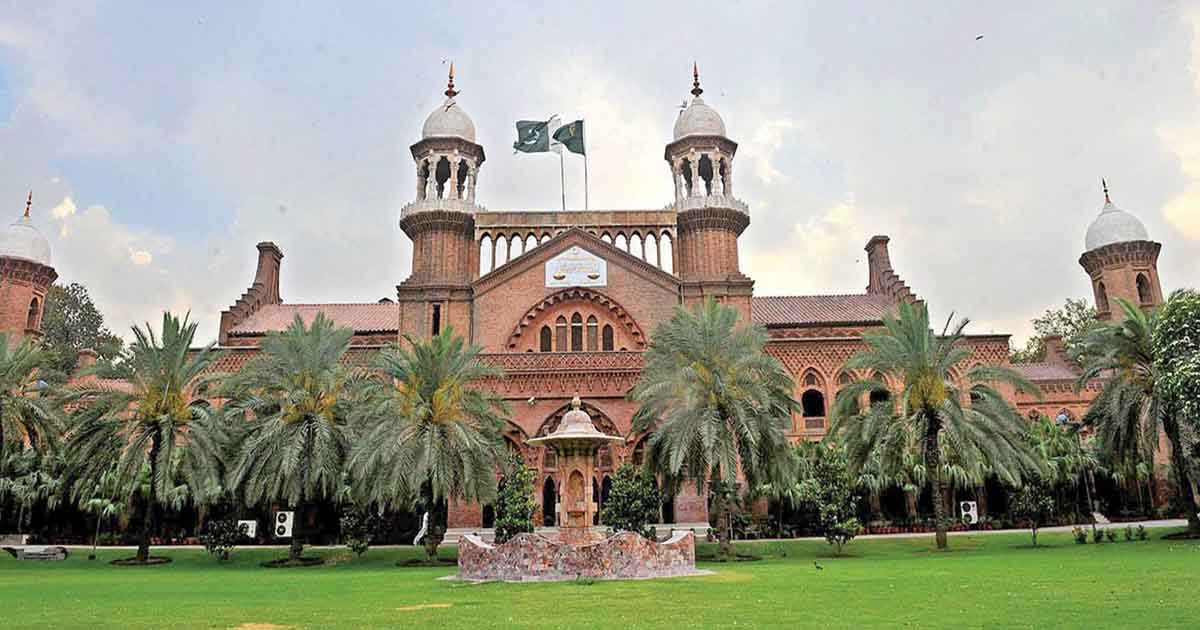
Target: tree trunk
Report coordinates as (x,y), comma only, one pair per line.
(1182,478)
(981,503)
(151,516)
(434,534)
(722,516)
(298,522)
(910,506)
(933,467)
(96,538)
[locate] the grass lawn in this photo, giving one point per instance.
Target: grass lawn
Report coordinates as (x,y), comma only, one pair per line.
(983,582)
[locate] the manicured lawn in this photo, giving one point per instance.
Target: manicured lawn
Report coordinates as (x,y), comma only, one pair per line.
(984,582)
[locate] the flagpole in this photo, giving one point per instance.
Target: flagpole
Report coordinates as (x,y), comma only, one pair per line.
(585,179)
(562,180)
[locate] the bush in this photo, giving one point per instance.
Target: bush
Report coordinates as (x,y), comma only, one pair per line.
(359,528)
(1141,533)
(1080,535)
(1035,503)
(221,536)
(633,502)
(1110,535)
(1097,535)
(1128,534)
(828,487)
(515,505)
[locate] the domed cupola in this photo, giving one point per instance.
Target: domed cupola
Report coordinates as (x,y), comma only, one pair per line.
(698,118)
(1114,225)
(1121,261)
(449,120)
(25,276)
(24,241)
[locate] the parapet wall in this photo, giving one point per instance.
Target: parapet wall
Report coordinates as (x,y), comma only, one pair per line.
(532,557)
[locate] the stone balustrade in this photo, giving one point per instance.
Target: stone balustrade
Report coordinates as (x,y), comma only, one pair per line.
(709,201)
(445,204)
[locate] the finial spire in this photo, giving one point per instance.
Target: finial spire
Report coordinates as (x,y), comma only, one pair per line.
(28,203)
(575,402)
(696,91)
(450,91)
(1105,185)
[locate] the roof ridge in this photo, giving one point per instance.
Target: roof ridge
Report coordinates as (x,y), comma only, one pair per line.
(334,304)
(817,295)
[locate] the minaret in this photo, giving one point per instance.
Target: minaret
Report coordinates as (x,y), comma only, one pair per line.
(1121,261)
(709,218)
(441,222)
(25,276)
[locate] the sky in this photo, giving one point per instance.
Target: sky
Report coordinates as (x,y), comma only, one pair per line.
(162,142)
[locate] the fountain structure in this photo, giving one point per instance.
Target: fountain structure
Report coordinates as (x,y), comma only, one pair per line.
(578,550)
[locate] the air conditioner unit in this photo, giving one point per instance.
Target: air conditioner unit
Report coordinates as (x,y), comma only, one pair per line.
(969,512)
(283,524)
(251,528)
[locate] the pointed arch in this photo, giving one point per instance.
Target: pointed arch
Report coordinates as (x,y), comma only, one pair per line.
(666,259)
(1145,294)
(617,314)
(485,254)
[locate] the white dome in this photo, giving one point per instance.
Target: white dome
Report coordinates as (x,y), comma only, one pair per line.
(449,121)
(22,240)
(699,120)
(1114,225)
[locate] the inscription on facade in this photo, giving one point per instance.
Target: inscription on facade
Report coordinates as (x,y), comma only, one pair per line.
(576,267)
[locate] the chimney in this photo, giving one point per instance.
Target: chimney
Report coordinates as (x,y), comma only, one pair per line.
(267,274)
(1056,351)
(85,359)
(878,264)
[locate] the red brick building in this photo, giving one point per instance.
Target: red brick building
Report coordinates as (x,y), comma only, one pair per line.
(565,301)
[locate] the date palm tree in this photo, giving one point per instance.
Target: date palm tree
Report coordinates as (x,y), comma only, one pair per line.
(430,433)
(292,408)
(1129,414)
(28,416)
(155,425)
(964,422)
(717,404)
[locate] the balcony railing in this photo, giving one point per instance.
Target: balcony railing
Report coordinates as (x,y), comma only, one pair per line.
(709,201)
(434,204)
(565,361)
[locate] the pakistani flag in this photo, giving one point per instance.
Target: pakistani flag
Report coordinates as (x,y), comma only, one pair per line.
(571,136)
(536,136)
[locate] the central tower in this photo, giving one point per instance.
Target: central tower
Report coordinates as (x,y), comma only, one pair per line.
(441,223)
(709,219)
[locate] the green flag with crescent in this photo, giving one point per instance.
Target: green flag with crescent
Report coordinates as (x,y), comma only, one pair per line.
(534,136)
(571,137)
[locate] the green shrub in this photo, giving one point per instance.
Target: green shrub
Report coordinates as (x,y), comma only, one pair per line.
(1080,535)
(359,529)
(1097,534)
(515,505)
(1141,533)
(1110,535)
(1035,504)
(221,536)
(1128,533)
(633,502)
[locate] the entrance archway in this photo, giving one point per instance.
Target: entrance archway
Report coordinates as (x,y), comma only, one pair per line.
(548,499)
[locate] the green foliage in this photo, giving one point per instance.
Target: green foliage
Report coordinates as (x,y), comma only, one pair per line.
(429,434)
(718,405)
(1177,355)
(1097,535)
(1034,503)
(157,434)
(70,323)
(360,526)
(1080,535)
(515,505)
(1110,535)
(954,440)
(1142,534)
(1128,533)
(633,502)
(293,406)
(1069,322)
(28,416)
(827,487)
(221,536)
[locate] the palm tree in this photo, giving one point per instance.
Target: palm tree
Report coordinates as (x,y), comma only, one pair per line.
(293,404)
(965,422)
(430,435)
(154,426)
(31,478)
(27,415)
(1129,413)
(717,404)
(102,499)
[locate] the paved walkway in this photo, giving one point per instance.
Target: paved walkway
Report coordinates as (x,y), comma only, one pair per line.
(1178,522)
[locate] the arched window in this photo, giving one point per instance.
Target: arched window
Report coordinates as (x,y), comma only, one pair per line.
(651,250)
(635,245)
(31,320)
(485,254)
(576,333)
(593,335)
(667,260)
(604,457)
(880,395)
(530,242)
(1101,298)
(515,246)
(606,237)
(812,402)
(560,334)
(501,246)
(1143,286)
(548,499)
(545,237)
(550,458)
(606,342)
(546,339)
(621,243)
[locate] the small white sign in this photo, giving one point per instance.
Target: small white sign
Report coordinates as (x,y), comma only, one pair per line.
(251,528)
(576,267)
